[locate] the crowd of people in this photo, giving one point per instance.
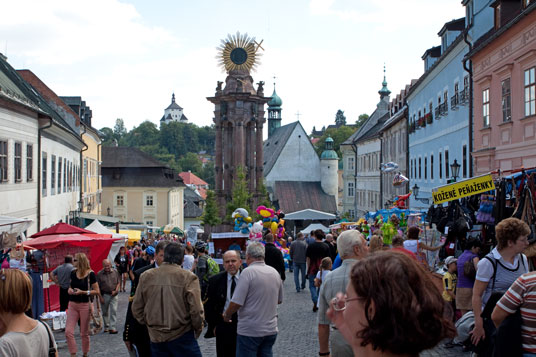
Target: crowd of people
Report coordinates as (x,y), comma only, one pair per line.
(371,298)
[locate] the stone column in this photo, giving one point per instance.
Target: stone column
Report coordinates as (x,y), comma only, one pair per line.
(218,164)
(258,153)
(250,156)
(227,157)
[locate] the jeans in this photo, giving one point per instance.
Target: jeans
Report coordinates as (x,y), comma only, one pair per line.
(255,346)
(109,311)
(184,346)
(77,311)
(297,268)
(312,288)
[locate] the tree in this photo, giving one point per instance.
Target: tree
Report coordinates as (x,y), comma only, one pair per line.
(107,136)
(339,135)
(210,216)
(264,200)
(191,162)
(119,129)
(145,134)
(361,120)
(241,197)
(207,173)
(340,119)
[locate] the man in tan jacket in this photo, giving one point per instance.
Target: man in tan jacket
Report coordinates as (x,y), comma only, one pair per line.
(168,301)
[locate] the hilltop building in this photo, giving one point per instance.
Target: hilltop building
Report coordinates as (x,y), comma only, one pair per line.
(173,112)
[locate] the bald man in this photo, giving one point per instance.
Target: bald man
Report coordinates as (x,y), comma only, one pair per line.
(109,282)
(220,290)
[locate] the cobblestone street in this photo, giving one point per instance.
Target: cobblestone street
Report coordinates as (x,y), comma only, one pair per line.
(297,331)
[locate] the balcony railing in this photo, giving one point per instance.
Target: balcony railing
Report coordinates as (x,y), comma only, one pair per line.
(437,112)
(429,118)
(421,122)
(454,101)
(443,109)
(464,96)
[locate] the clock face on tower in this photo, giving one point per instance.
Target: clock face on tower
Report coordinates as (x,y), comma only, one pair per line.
(239,52)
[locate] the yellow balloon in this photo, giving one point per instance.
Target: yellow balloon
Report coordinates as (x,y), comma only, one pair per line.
(248,219)
(273,228)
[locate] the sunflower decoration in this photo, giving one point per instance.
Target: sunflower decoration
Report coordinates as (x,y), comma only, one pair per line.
(239,52)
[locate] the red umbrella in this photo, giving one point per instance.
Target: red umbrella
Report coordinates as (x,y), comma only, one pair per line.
(61,228)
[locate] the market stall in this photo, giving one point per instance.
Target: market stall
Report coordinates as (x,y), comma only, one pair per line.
(97,227)
(222,241)
(57,246)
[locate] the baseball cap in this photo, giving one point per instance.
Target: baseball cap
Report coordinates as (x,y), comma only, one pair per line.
(450,260)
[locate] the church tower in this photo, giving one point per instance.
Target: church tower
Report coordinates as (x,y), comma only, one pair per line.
(239,120)
(329,166)
(274,113)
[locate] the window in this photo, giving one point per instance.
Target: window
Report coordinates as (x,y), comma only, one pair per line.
(18,162)
(29,162)
(149,223)
(59,175)
(464,159)
(485,107)
(411,168)
(506,99)
(446,164)
(3,161)
(445,101)
(351,213)
(440,166)
(64,175)
(149,200)
(350,189)
(425,168)
(420,171)
(119,201)
(432,167)
(84,174)
(530,92)
(431,108)
(44,174)
(53,175)
(351,163)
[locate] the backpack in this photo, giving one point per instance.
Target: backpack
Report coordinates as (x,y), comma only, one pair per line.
(212,269)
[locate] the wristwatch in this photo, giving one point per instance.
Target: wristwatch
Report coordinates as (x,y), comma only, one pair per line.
(88,292)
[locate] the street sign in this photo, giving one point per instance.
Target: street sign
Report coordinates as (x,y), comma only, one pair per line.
(464,188)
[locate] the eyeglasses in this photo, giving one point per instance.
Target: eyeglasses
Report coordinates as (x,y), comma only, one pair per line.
(339,304)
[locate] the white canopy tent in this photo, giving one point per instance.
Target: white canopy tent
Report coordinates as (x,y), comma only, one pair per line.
(14,225)
(97,227)
(314,227)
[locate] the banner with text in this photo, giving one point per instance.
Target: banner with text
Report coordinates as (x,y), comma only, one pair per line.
(464,188)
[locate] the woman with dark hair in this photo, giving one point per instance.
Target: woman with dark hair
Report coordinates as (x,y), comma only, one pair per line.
(464,288)
(121,262)
(391,307)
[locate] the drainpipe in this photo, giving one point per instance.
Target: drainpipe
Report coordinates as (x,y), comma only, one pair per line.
(408,174)
(381,177)
(39,178)
(354,148)
(469,69)
(82,164)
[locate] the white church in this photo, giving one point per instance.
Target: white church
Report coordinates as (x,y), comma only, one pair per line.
(173,112)
(298,180)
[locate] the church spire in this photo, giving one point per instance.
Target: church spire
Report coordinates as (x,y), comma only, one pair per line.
(384,92)
(173,96)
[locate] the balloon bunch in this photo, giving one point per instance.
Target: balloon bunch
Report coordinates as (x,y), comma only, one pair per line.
(272,221)
(281,224)
(242,220)
(255,233)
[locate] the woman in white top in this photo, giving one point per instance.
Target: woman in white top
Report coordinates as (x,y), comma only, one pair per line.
(188,262)
(20,335)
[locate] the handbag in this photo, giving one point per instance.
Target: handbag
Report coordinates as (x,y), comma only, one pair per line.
(95,315)
(51,347)
(469,269)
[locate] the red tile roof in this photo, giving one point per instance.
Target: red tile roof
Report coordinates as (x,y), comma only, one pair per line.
(191,179)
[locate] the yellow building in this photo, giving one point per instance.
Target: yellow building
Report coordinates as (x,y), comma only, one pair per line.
(138,188)
(91,171)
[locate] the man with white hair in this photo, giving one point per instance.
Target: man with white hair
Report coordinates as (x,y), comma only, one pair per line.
(352,246)
(256,296)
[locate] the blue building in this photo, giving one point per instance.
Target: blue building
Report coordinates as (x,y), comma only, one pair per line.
(439,106)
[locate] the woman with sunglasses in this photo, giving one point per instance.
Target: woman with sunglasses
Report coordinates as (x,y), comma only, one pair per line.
(391,308)
(83,286)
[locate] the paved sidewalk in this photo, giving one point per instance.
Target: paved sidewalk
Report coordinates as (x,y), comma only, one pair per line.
(297,331)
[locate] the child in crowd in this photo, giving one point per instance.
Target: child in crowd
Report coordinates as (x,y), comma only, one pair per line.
(325,269)
(449,283)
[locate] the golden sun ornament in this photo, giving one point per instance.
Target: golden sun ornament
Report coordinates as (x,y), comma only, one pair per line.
(239,52)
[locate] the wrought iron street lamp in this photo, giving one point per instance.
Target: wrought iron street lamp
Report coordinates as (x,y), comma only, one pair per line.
(455,169)
(415,191)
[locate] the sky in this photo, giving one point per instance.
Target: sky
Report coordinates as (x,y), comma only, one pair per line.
(126,58)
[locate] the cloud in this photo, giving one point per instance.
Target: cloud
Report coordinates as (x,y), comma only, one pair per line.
(65,32)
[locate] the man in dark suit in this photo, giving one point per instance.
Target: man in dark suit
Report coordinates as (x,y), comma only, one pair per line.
(273,256)
(220,290)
